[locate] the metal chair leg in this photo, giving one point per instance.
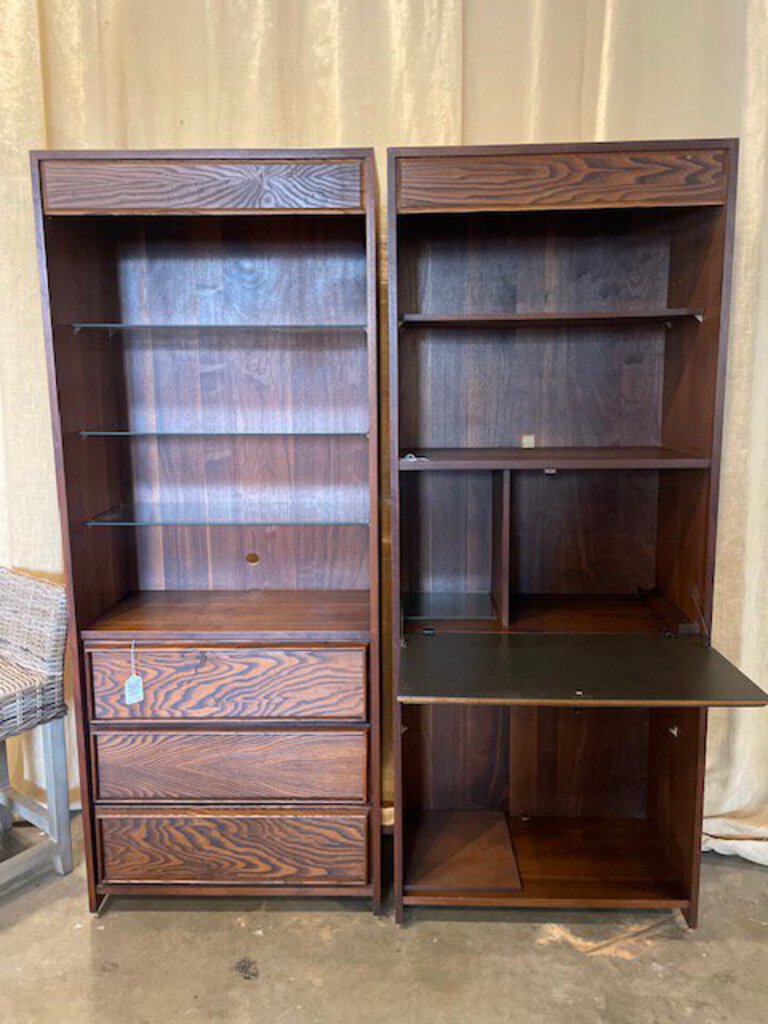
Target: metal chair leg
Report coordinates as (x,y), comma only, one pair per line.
(55,758)
(6,815)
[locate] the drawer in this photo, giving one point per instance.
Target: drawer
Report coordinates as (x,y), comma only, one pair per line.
(562,180)
(233,845)
(320,683)
(264,765)
(162,186)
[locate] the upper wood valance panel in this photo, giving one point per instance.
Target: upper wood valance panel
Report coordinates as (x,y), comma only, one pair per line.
(147,186)
(569,178)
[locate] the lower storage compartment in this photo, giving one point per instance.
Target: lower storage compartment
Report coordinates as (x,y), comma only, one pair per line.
(551,806)
(233,846)
(471,855)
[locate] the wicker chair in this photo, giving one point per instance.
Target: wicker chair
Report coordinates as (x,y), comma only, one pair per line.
(33,628)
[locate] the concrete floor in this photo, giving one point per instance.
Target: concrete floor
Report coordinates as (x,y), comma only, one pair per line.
(168,961)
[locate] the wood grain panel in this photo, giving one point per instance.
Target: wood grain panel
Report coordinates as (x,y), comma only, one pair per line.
(241,380)
(291,558)
(275,480)
(262,683)
(468,851)
(235,271)
(565,180)
(147,186)
(233,846)
(568,763)
(229,615)
(487,388)
(447,538)
(262,765)
(585,859)
(583,532)
(563,263)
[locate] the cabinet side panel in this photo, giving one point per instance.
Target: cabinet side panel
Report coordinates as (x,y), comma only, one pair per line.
(676,790)
(82,280)
(446,532)
(455,758)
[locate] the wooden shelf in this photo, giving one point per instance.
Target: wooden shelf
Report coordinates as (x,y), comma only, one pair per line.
(593,859)
(468,850)
(585,318)
(435,459)
(571,671)
(616,614)
(554,861)
(221,615)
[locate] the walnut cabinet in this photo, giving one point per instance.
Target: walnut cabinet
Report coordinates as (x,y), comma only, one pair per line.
(211,333)
(558,324)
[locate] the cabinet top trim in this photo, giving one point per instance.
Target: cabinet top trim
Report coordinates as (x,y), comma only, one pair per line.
(529,178)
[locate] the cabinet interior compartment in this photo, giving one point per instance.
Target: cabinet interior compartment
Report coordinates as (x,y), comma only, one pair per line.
(550,803)
(214,383)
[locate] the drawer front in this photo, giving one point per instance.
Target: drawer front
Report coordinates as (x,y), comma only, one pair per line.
(163,186)
(528,181)
(321,683)
(232,846)
(327,765)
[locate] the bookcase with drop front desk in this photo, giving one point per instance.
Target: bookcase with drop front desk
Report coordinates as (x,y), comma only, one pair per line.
(211,337)
(558,323)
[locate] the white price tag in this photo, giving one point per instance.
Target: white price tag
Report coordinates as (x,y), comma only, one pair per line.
(134,684)
(134,689)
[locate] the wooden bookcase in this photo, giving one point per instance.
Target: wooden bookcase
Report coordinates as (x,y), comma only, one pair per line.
(558,321)
(211,333)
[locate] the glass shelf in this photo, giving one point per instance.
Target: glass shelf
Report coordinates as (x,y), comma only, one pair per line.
(189,515)
(223,433)
(114,327)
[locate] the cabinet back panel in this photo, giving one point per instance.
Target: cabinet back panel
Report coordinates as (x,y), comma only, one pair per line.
(589,532)
(243,381)
(237,270)
(568,763)
(525,263)
(290,557)
(250,479)
(581,386)
(538,762)
(446,532)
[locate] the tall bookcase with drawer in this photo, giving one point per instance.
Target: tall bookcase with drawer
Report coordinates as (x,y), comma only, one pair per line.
(211,337)
(558,331)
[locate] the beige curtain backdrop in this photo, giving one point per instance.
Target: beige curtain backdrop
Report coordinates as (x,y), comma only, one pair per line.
(250,73)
